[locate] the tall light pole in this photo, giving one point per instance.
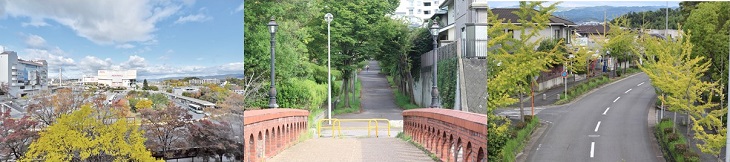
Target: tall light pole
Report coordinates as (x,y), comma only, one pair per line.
(435,91)
(272,88)
(328,18)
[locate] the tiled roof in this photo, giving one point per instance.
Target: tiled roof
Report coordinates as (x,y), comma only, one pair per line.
(507,15)
(592,29)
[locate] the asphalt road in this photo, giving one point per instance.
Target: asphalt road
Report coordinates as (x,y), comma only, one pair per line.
(575,134)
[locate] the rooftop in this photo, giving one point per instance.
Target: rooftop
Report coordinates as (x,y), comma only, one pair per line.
(508,16)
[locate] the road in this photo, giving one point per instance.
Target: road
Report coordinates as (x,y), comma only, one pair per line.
(609,124)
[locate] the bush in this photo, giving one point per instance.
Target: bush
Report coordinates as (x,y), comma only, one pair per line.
(517,142)
(672,137)
(680,147)
(667,130)
(301,94)
(520,125)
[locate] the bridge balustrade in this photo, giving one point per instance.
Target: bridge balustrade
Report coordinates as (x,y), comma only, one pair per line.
(451,135)
(268,132)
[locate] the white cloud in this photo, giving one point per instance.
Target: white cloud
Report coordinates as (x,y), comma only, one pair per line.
(35,41)
(240,8)
(125,46)
(91,64)
(192,18)
(54,57)
(134,62)
(102,22)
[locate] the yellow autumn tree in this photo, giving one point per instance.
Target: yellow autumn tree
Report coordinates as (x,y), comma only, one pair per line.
(80,136)
(144,104)
(672,69)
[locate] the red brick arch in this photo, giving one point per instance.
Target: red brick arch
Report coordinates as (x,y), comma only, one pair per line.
(267,132)
(451,135)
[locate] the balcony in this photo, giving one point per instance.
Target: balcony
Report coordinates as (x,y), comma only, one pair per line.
(475,43)
(14,73)
(12,67)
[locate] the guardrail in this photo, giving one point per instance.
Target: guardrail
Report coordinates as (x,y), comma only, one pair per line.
(337,125)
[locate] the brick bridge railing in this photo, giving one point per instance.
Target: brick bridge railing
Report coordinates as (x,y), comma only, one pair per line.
(451,135)
(268,132)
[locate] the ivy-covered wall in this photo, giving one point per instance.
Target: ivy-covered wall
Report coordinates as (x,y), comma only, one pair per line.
(447,76)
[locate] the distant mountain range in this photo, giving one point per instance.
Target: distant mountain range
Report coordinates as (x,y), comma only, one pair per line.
(224,76)
(580,15)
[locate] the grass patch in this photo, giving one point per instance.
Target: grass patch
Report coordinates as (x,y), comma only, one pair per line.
(409,139)
(674,145)
(402,100)
(593,83)
(354,103)
(519,137)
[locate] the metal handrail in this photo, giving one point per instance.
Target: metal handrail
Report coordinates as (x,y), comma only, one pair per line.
(337,124)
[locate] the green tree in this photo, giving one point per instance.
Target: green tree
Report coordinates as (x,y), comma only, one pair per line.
(709,25)
(672,69)
(393,55)
(80,136)
(145,86)
(355,23)
(159,100)
(621,44)
(517,61)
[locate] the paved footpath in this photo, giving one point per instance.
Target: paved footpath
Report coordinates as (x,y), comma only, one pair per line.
(377,102)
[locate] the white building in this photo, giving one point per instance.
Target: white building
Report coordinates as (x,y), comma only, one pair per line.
(116,78)
(416,11)
(204,81)
(21,76)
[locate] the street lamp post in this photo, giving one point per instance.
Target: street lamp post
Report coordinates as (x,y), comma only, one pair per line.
(272,90)
(435,92)
(328,18)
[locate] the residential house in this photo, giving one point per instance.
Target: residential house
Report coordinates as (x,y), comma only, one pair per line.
(464,33)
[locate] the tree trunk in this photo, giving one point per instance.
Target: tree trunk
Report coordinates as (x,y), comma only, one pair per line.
(674,124)
(522,112)
(410,87)
(345,91)
(354,81)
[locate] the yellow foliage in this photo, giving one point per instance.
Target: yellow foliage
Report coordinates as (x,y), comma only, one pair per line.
(80,136)
(144,104)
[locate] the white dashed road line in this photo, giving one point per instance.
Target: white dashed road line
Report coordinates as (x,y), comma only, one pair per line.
(640,84)
(616,99)
(593,145)
(597,125)
(628,91)
(604,112)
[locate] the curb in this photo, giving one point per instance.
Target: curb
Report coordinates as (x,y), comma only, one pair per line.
(536,135)
(651,124)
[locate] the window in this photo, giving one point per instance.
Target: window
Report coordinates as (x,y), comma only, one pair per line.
(426,3)
(511,33)
(426,12)
(410,11)
(557,34)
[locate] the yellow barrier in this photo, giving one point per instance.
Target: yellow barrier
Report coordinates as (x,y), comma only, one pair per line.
(337,124)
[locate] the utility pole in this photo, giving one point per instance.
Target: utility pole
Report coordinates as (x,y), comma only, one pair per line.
(666,21)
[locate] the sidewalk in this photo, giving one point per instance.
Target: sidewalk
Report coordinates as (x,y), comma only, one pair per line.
(551,95)
(377,101)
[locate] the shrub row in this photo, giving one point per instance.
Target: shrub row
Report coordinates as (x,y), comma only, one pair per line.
(674,144)
(519,136)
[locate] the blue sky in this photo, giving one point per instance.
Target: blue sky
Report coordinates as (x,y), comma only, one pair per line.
(158,38)
(499,4)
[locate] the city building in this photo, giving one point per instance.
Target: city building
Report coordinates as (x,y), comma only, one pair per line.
(116,78)
(181,90)
(204,81)
(22,77)
(416,11)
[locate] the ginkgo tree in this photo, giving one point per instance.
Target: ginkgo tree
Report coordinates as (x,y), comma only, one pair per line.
(677,73)
(513,65)
(81,136)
